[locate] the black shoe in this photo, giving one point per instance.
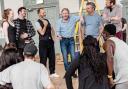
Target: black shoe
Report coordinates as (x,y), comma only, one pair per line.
(75,76)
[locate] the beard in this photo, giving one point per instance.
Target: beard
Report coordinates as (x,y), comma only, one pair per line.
(110,8)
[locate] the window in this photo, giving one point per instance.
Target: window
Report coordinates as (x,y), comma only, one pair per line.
(39,1)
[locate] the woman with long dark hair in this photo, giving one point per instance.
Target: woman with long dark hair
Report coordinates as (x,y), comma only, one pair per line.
(91,67)
(8,57)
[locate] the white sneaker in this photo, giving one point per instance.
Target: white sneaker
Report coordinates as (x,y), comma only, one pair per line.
(54,75)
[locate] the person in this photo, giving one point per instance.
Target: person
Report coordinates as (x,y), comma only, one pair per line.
(92,22)
(8,57)
(112,13)
(24,30)
(91,65)
(124,28)
(8,26)
(46,43)
(27,74)
(65,33)
(117,59)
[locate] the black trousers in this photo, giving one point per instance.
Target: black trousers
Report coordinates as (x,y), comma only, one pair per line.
(47,50)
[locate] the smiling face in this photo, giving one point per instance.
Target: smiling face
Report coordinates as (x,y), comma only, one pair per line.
(23,13)
(42,13)
(65,14)
(11,15)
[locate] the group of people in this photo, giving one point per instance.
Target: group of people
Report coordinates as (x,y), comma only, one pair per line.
(95,69)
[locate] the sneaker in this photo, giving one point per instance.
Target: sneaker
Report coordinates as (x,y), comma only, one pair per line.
(54,75)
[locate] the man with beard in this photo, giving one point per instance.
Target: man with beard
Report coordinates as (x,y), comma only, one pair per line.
(24,30)
(112,13)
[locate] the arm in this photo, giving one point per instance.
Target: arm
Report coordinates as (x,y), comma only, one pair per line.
(109,47)
(53,33)
(105,16)
(40,29)
(125,27)
(32,31)
(58,30)
(70,72)
(45,79)
(117,18)
(5,29)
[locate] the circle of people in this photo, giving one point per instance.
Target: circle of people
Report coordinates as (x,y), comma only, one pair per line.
(96,70)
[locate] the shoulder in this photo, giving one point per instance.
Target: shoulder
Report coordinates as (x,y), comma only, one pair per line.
(5,23)
(118,6)
(109,43)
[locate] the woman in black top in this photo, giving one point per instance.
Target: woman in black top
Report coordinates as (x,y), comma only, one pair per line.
(124,28)
(8,26)
(92,69)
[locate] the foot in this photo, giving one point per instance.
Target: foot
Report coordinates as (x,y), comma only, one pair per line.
(54,75)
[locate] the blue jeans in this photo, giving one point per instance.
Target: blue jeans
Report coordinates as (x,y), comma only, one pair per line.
(67,47)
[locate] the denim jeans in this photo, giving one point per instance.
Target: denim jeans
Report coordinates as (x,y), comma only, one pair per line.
(67,47)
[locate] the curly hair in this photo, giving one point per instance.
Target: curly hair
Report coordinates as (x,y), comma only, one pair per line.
(6,13)
(94,59)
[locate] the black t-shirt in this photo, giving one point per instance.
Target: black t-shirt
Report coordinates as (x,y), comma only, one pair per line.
(23,27)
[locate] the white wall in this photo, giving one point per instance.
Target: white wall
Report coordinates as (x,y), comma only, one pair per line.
(14,5)
(72,5)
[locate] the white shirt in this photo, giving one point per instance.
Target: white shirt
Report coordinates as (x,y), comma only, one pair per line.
(120,60)
(26,75)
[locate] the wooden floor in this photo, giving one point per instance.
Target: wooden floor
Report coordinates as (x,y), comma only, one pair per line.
(60,82)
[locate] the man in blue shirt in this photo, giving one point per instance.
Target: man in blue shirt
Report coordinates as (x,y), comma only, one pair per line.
(65,33)
(92,21)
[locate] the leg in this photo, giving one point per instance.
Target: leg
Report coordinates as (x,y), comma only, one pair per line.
(63,45)
(51,57)
(43,52)
(71,48)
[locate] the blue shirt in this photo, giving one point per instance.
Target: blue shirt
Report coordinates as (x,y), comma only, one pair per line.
(92,24)
(67,29)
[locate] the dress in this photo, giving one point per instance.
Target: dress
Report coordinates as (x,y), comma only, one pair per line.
(12,34)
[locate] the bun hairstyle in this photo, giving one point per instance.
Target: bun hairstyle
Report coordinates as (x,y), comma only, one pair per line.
(6,13)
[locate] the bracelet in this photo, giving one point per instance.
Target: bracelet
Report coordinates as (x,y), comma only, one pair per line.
(109,76)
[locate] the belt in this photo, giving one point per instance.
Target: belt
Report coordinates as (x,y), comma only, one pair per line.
(67,37)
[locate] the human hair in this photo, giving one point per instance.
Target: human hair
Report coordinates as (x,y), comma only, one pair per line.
(8,57)
(113,1)
(92,58)
(6,13)
(65,9)
(38,11)
(110,28)
(20,9)
(123,20)
(92,4)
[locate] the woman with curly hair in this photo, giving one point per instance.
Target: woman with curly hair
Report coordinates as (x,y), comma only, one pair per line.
(92,68)
(8,26)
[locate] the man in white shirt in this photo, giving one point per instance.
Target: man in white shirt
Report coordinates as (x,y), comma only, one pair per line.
(27,74)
